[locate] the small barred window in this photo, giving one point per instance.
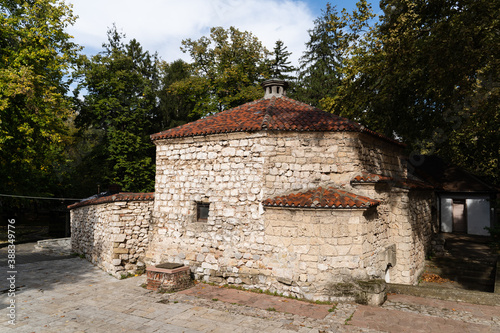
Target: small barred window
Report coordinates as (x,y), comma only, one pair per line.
(202,209)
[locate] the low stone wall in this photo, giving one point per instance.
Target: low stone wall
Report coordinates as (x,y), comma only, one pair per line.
(412,234)
(113,232)
(314,250)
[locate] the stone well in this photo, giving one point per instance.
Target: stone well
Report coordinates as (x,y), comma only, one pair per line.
(168,277)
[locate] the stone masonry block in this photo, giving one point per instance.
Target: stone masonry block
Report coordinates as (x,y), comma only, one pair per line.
(118,238)
(120,250)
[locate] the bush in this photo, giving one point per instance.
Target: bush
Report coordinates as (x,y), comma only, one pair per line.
(495,235)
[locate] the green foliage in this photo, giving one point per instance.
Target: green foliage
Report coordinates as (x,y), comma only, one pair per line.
(36,55)
(495,236)
(280,65)
(226,70)
(120,106)
(348,319)
(327,50)
(175,110)
(428,72)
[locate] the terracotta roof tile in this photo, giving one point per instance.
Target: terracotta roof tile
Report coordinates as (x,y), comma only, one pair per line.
(370,178)
(122,196)
(320,197)
(415,184)
(276,113)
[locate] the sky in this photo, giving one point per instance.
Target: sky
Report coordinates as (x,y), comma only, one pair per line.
(161,25)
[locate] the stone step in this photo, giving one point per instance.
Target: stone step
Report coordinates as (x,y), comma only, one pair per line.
(464,261)
(468,274)
(60,245)
(487,272)
(471,282)
(433,291)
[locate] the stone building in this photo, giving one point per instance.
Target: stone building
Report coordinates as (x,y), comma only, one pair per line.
(279,195)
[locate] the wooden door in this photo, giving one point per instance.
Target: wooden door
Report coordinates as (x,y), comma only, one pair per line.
(459,216)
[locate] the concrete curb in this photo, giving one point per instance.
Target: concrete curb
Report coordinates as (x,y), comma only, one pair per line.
(60,245)
(446,294)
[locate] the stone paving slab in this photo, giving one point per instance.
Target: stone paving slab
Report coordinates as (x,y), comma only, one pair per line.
(72,295)
(395,321)
(478,311)
(261,301)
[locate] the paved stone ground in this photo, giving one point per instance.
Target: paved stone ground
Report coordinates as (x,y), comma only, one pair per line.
(68,294)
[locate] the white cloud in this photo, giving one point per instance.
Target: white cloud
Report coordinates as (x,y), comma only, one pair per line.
(162,25)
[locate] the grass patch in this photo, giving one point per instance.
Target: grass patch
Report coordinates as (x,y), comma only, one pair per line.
(348,319)
(164,291)
(333,308)
(126,276)
(323,302)
(271,309)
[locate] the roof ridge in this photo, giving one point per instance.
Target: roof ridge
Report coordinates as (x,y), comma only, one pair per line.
(268,113)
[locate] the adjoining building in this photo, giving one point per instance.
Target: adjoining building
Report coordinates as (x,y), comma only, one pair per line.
(465,203)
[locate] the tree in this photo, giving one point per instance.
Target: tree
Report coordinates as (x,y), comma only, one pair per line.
(321,65)
(175,110)
(280,65)
(429,72)
(121,103)
(36,55)
(226,70)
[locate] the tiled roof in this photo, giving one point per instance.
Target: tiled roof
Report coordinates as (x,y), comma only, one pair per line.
(122,196)
(416,184)
(320,197)
(370,178)
(448,177)
(276,114)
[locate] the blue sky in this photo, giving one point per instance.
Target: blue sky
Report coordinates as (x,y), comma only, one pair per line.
(161,25)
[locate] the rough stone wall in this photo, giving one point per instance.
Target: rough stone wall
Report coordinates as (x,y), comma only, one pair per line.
(295,161)
(234,173)
(112,235)
(315,249)
(412,235)
(224,170)
(408,221)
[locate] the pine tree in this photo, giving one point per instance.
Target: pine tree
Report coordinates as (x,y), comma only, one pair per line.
(280,65)
(319,66)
